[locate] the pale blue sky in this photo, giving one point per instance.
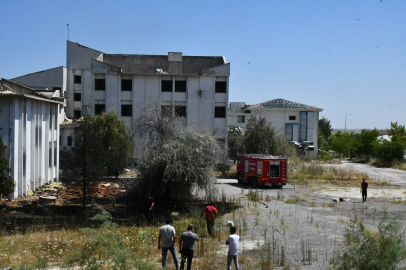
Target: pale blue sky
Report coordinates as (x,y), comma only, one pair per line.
(345,56)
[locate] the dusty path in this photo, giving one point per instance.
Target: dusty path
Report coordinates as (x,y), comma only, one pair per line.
(392,176)
(303,219)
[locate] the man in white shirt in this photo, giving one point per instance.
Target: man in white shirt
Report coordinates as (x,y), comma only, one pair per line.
(232,243)
(167,234)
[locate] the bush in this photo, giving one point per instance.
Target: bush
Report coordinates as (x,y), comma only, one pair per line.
(390,152)
(367,250)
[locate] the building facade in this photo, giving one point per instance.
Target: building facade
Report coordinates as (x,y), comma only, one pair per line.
(195,87)
(29,127)
(298,122)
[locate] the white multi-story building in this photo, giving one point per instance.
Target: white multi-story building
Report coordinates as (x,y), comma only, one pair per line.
(29,127)
(298,122)
(196,87)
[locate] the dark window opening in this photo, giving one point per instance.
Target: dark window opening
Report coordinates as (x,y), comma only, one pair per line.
(77,96)
(292,117)
(50,156)
(60,141)
(166,111)
(77,79)
(99,108)
(127,110)
(99,84)
(50,119)
(77,114)
(126,85)
(221,87)
(180,111)
(247,111)
(180,86)
(55,155)
(220,111)
(57,88)
(240,119)
(69,140)
(166,86)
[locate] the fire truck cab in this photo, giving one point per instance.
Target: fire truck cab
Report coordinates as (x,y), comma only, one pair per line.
(262,170)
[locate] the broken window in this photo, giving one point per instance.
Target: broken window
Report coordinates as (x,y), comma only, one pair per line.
(180,86)
(126,85)
(180,111)
(166,111)
(77,96)
(220,112)
(77,114)
(221,87)
(77,79)
(166,86)
(240,119)
(292,117)
(69,141)
(100,84)
(99,108)
(127,110)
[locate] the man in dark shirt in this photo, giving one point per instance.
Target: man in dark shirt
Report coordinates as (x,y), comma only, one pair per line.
(364,187)
(188,238)
(149,204)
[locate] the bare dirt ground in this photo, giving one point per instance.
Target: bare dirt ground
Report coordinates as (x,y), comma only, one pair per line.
(305,222)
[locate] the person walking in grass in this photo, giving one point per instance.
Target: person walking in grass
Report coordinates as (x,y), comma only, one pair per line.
(149,204)
(188,238)
(167,235)
(232,242)
(364,187)
(210,215)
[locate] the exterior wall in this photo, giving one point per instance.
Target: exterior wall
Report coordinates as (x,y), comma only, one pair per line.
(51,79)
(30,129)
(279,118)
(146,88)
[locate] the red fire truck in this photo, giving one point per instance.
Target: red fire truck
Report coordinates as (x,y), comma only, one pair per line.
(262,170)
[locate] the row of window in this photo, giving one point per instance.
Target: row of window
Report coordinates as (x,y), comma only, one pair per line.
(166,85)
(127,110)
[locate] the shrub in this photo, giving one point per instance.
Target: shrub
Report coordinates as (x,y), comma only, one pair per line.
(390,151)
(368,250)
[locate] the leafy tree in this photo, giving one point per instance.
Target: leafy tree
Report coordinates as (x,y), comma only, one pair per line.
(7,184)
(397,133)
(325,128)
(390,151)
(176,159)
(260,136)
(365,143)
(343,143)
(367,250)
(235,143)
(102,146)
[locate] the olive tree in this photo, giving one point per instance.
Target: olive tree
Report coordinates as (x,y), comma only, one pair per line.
(177,159)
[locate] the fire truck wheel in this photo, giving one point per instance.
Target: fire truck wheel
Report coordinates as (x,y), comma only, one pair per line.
(254,182)
(239,178)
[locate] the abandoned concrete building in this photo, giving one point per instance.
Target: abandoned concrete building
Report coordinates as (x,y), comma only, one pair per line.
(195,87)
(298,122)
(29,128)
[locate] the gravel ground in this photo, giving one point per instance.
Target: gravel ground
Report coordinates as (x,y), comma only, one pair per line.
(311,223)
